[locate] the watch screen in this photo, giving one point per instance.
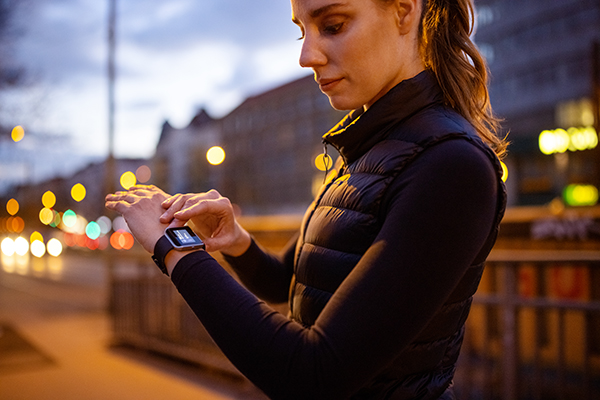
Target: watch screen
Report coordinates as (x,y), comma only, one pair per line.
(183,236)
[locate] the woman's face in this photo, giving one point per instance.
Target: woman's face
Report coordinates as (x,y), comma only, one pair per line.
(358,49)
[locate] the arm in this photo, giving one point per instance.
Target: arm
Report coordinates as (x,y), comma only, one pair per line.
(440,214)
(265,274)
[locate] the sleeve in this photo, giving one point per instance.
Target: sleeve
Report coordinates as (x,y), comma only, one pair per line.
(441,211)
(265,274)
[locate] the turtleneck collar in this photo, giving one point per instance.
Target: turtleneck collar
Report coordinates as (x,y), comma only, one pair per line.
(360,130)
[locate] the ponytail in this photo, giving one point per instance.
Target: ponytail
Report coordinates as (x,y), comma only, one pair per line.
(461,71)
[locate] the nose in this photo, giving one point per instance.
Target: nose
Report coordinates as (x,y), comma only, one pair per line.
(312,54)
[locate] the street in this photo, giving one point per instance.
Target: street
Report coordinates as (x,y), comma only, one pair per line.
(55,340)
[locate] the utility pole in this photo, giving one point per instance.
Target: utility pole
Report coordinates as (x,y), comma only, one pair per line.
(110,160)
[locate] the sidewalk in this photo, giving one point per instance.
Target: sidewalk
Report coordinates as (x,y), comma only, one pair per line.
(48,352)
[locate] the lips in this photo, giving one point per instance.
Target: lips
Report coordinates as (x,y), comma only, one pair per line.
(328,84)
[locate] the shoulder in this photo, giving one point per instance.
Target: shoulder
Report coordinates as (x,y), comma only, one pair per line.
(451,171)
(459,157)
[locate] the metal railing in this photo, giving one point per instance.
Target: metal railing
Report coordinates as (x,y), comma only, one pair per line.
(533,331)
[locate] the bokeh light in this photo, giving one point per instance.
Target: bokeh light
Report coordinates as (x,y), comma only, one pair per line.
(48,199)
(121,240)
(93,230)
(46,216)
(127,180)
(78,192)
(69,218)
(21,246)
(504,171)
(119,224)
(572,139)
(18,133)
(57,219)
(37,248)
(12,206)
(8,246)
(143,174)
(36,236)
(215,155)
(54,247)
(105,224)
(581,195)
(323,162)
(15,224)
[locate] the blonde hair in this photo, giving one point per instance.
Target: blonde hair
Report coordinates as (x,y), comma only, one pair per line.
(461,71)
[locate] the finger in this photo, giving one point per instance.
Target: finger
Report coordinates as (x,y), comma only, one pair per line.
(138,186)
(176,223)
(213,244)
(174,207)
(114,196)
(167,203)
(118,206)
(194,209)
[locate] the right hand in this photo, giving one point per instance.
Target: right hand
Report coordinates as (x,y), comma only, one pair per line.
(213,220)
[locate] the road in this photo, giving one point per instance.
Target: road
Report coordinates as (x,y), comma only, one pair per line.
(55,341)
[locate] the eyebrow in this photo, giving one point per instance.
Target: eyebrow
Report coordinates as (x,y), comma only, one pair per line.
(320,11)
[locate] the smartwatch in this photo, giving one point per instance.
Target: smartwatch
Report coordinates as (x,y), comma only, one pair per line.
(181,239)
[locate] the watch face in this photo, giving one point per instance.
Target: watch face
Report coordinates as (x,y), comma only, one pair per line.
(184,238)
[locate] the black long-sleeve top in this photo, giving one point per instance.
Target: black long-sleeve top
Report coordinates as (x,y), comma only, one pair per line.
(439,213)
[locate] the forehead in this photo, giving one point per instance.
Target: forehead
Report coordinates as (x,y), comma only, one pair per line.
(307,9)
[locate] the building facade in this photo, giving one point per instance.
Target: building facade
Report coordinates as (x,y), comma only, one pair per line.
(270,141)
(544,62)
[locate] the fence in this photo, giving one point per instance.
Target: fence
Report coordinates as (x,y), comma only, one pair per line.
(534,329)
(533,332)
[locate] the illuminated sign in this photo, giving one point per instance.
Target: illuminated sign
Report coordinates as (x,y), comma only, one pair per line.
(572,139)
(581,195)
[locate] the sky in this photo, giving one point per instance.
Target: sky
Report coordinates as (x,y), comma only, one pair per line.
(173,57)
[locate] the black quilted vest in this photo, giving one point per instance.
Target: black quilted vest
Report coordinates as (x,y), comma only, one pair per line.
(345,218)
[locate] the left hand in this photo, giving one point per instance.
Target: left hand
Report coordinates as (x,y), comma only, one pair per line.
(141,207)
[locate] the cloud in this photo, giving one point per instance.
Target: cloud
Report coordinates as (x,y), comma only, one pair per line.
(173,56)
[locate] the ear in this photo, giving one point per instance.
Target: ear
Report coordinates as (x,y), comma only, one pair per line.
(408,15)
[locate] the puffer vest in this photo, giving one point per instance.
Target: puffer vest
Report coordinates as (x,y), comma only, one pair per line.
(343,222)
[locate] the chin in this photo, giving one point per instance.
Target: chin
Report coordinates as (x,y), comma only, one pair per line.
(342,104)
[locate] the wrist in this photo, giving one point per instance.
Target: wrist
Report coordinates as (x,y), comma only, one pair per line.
(241,245)
(173,257)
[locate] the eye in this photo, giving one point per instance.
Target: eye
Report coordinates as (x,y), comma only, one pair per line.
(333,29)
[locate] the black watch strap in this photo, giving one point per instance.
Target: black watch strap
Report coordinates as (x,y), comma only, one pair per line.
(161,248)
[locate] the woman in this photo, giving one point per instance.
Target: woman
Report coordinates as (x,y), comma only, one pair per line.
(391,251)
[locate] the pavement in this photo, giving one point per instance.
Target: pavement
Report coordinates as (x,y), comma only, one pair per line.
(55,343)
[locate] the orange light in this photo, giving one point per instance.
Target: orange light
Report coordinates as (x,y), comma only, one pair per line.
(69,239)
(17,224)
(121,240)
(12,206)
(81,240)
